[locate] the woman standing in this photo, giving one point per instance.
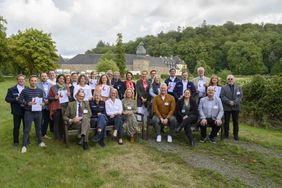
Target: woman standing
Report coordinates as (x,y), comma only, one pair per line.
(114,112)
(82,85)
(142,89)
(103,87)
(214,81)
(187,114)
(129,108)
(58,97)
(92,81)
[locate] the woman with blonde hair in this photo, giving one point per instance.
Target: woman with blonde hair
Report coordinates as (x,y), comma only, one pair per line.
(129,108)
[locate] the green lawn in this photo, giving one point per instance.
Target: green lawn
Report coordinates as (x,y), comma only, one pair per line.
(131,165)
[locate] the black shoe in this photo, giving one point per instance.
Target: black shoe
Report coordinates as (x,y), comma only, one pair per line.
(102,143)
(236,138)
(85,145)
(202,140)
(16,144)
(178,129)
(226,136)
(97,137)
(80,142)
(211,139)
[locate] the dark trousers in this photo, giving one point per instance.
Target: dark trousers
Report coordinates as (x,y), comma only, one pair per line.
(51,125)
(117,121)
(17,124)
(187,123)
(235,117)
(45,121)
(211,123)
(30,117)
(58,125)
(100,122)
(171,124)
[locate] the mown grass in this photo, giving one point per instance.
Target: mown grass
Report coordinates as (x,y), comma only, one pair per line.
(137,165)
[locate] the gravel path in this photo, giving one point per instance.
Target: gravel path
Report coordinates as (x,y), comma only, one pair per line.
(223,167)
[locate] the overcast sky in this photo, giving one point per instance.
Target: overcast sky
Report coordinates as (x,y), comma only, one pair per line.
(77,25)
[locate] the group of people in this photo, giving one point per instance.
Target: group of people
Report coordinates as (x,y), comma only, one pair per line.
(82,102)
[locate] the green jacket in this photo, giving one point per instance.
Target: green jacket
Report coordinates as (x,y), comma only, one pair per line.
(70,112)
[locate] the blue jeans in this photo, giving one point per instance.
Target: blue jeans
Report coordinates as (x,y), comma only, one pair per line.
(29,117)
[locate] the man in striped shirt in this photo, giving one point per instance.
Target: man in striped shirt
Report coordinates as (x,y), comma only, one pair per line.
(29,97)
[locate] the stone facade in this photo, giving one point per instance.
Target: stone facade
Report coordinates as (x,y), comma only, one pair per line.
(134,62)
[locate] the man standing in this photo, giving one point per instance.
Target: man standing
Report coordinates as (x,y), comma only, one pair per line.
(118,84)
(32,99)
(231,96)
(211,112)
(45,86)
(52,77)
(171,81)
(78,115)
(164,107)
(201,83)
(17,109)
(182,85)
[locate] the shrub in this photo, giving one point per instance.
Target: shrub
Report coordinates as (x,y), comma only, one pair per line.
(262,101)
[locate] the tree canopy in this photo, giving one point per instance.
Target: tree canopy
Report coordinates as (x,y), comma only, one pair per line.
(33,51)
(257,47)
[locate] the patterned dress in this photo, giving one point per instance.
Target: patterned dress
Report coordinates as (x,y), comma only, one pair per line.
(130,124)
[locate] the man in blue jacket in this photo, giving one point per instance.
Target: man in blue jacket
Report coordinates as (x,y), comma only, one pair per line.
(17,109)
(182,85)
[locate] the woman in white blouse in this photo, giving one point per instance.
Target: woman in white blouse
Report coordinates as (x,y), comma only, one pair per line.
(82,85)
(214,81)
(103,87)
(114,112)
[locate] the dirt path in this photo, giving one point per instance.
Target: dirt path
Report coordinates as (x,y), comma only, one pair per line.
(223,167)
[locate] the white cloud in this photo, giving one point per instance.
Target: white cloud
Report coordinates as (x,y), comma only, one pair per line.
(77,25)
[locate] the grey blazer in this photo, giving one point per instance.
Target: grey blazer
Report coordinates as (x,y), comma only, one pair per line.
(226,96)
(217,110)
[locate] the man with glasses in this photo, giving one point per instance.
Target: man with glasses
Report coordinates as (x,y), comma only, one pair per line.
(78,115)
(231,96)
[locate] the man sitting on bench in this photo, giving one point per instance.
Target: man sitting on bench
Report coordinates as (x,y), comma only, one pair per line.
(211,112)
(164,106)
(78,115)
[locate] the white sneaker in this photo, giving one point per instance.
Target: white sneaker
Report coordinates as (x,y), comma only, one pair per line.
(24,149)
(169,139)
(159,138)
(42,145)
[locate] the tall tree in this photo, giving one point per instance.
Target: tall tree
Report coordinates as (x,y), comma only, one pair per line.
(106,62)
(4,66)
(245,58)
(33,51)
(120,55)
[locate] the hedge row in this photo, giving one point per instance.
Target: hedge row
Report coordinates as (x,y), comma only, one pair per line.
(262,102)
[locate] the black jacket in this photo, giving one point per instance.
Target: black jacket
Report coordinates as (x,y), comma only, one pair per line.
(16,107)
(193,109)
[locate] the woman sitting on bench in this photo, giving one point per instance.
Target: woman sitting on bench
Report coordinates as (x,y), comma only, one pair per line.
(187,114)
(99,118)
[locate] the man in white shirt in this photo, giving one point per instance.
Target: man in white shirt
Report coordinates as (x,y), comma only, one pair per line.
(201,83)
(52,77)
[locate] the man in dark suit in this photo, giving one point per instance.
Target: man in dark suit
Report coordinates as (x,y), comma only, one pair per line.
(231,96)
(78,115)
(182,85)
(171,81)
(17,109)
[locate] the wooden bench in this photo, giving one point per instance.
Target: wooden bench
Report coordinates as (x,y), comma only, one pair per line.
(69,132)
